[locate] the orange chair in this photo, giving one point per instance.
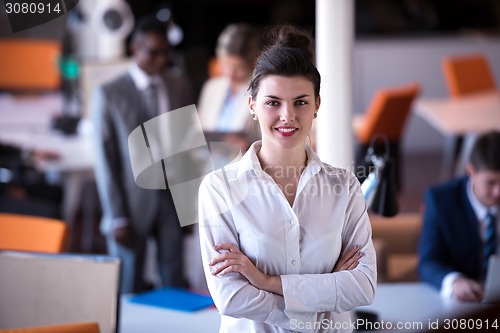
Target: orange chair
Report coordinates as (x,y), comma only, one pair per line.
(32,233)
(87,327)
(467,74)
(386,115)
(464,75)
(213,67)
(29,64)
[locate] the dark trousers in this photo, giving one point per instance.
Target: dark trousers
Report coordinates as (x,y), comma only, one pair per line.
(168,236)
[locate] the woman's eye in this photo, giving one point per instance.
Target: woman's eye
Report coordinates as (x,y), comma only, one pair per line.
(272,103)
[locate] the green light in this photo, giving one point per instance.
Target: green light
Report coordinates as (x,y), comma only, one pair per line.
(69,68)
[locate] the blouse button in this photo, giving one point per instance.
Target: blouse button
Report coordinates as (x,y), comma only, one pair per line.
(294,262)
(293,221)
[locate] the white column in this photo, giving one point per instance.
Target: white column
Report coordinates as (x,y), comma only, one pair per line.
(334,55)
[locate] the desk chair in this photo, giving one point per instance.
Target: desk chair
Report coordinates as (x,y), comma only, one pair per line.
(213,67)
(32,233)
(29,64)
(84,327)
(464,75)
(467,74)
(386,115)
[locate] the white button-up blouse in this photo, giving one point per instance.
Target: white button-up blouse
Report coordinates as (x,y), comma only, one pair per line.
(242,204)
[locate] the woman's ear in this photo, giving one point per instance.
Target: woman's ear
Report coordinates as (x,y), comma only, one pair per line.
(251,107)
(318,103)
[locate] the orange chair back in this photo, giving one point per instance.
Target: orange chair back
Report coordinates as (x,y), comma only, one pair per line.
(88,327)
(29,64)
(214,68)
(32,233)
(467,74)
(387,113)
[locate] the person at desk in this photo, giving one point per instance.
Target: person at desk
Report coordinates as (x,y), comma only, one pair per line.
(460,228)
(285,238)
(222,104)
(131,214)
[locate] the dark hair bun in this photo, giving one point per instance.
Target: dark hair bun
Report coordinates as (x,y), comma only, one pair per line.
(289,36)
(289,52)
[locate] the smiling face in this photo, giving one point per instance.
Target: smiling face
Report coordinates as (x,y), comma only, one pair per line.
(284,107)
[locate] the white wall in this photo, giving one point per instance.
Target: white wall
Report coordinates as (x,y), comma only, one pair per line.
(380,63)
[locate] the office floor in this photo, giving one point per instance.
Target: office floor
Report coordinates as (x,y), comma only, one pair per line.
(421,170)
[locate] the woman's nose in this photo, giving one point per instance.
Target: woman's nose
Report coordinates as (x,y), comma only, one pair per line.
(287,113)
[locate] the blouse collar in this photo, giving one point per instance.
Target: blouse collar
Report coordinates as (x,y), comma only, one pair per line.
(250,161)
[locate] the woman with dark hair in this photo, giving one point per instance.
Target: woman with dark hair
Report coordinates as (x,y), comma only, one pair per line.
(285,238)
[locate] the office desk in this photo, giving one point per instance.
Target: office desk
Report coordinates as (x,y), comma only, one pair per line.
(416,304)
(138,318)
(394,302)
(467,116)
(25,122)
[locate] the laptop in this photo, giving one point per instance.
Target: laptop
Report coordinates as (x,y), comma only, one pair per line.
(492,284)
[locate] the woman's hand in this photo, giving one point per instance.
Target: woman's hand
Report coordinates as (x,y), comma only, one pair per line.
(349,260)
(236,261)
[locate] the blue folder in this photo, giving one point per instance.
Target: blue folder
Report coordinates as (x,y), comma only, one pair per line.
(174,298)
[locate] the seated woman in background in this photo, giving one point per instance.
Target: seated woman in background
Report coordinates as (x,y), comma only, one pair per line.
(222,106)
(285,238)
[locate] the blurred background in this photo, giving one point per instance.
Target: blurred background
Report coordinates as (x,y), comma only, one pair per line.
(399,56)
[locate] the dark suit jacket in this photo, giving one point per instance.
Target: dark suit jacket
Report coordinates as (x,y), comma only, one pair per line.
(450,239)
(117,109)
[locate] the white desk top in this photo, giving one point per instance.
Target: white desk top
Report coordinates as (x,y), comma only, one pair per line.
(416,302)
(468,115)
(394,302)
(137,318)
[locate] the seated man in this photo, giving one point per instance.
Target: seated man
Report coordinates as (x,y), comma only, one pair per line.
(460,228)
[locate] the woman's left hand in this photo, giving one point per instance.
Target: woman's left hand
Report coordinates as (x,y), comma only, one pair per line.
(236,261)
(349,260)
